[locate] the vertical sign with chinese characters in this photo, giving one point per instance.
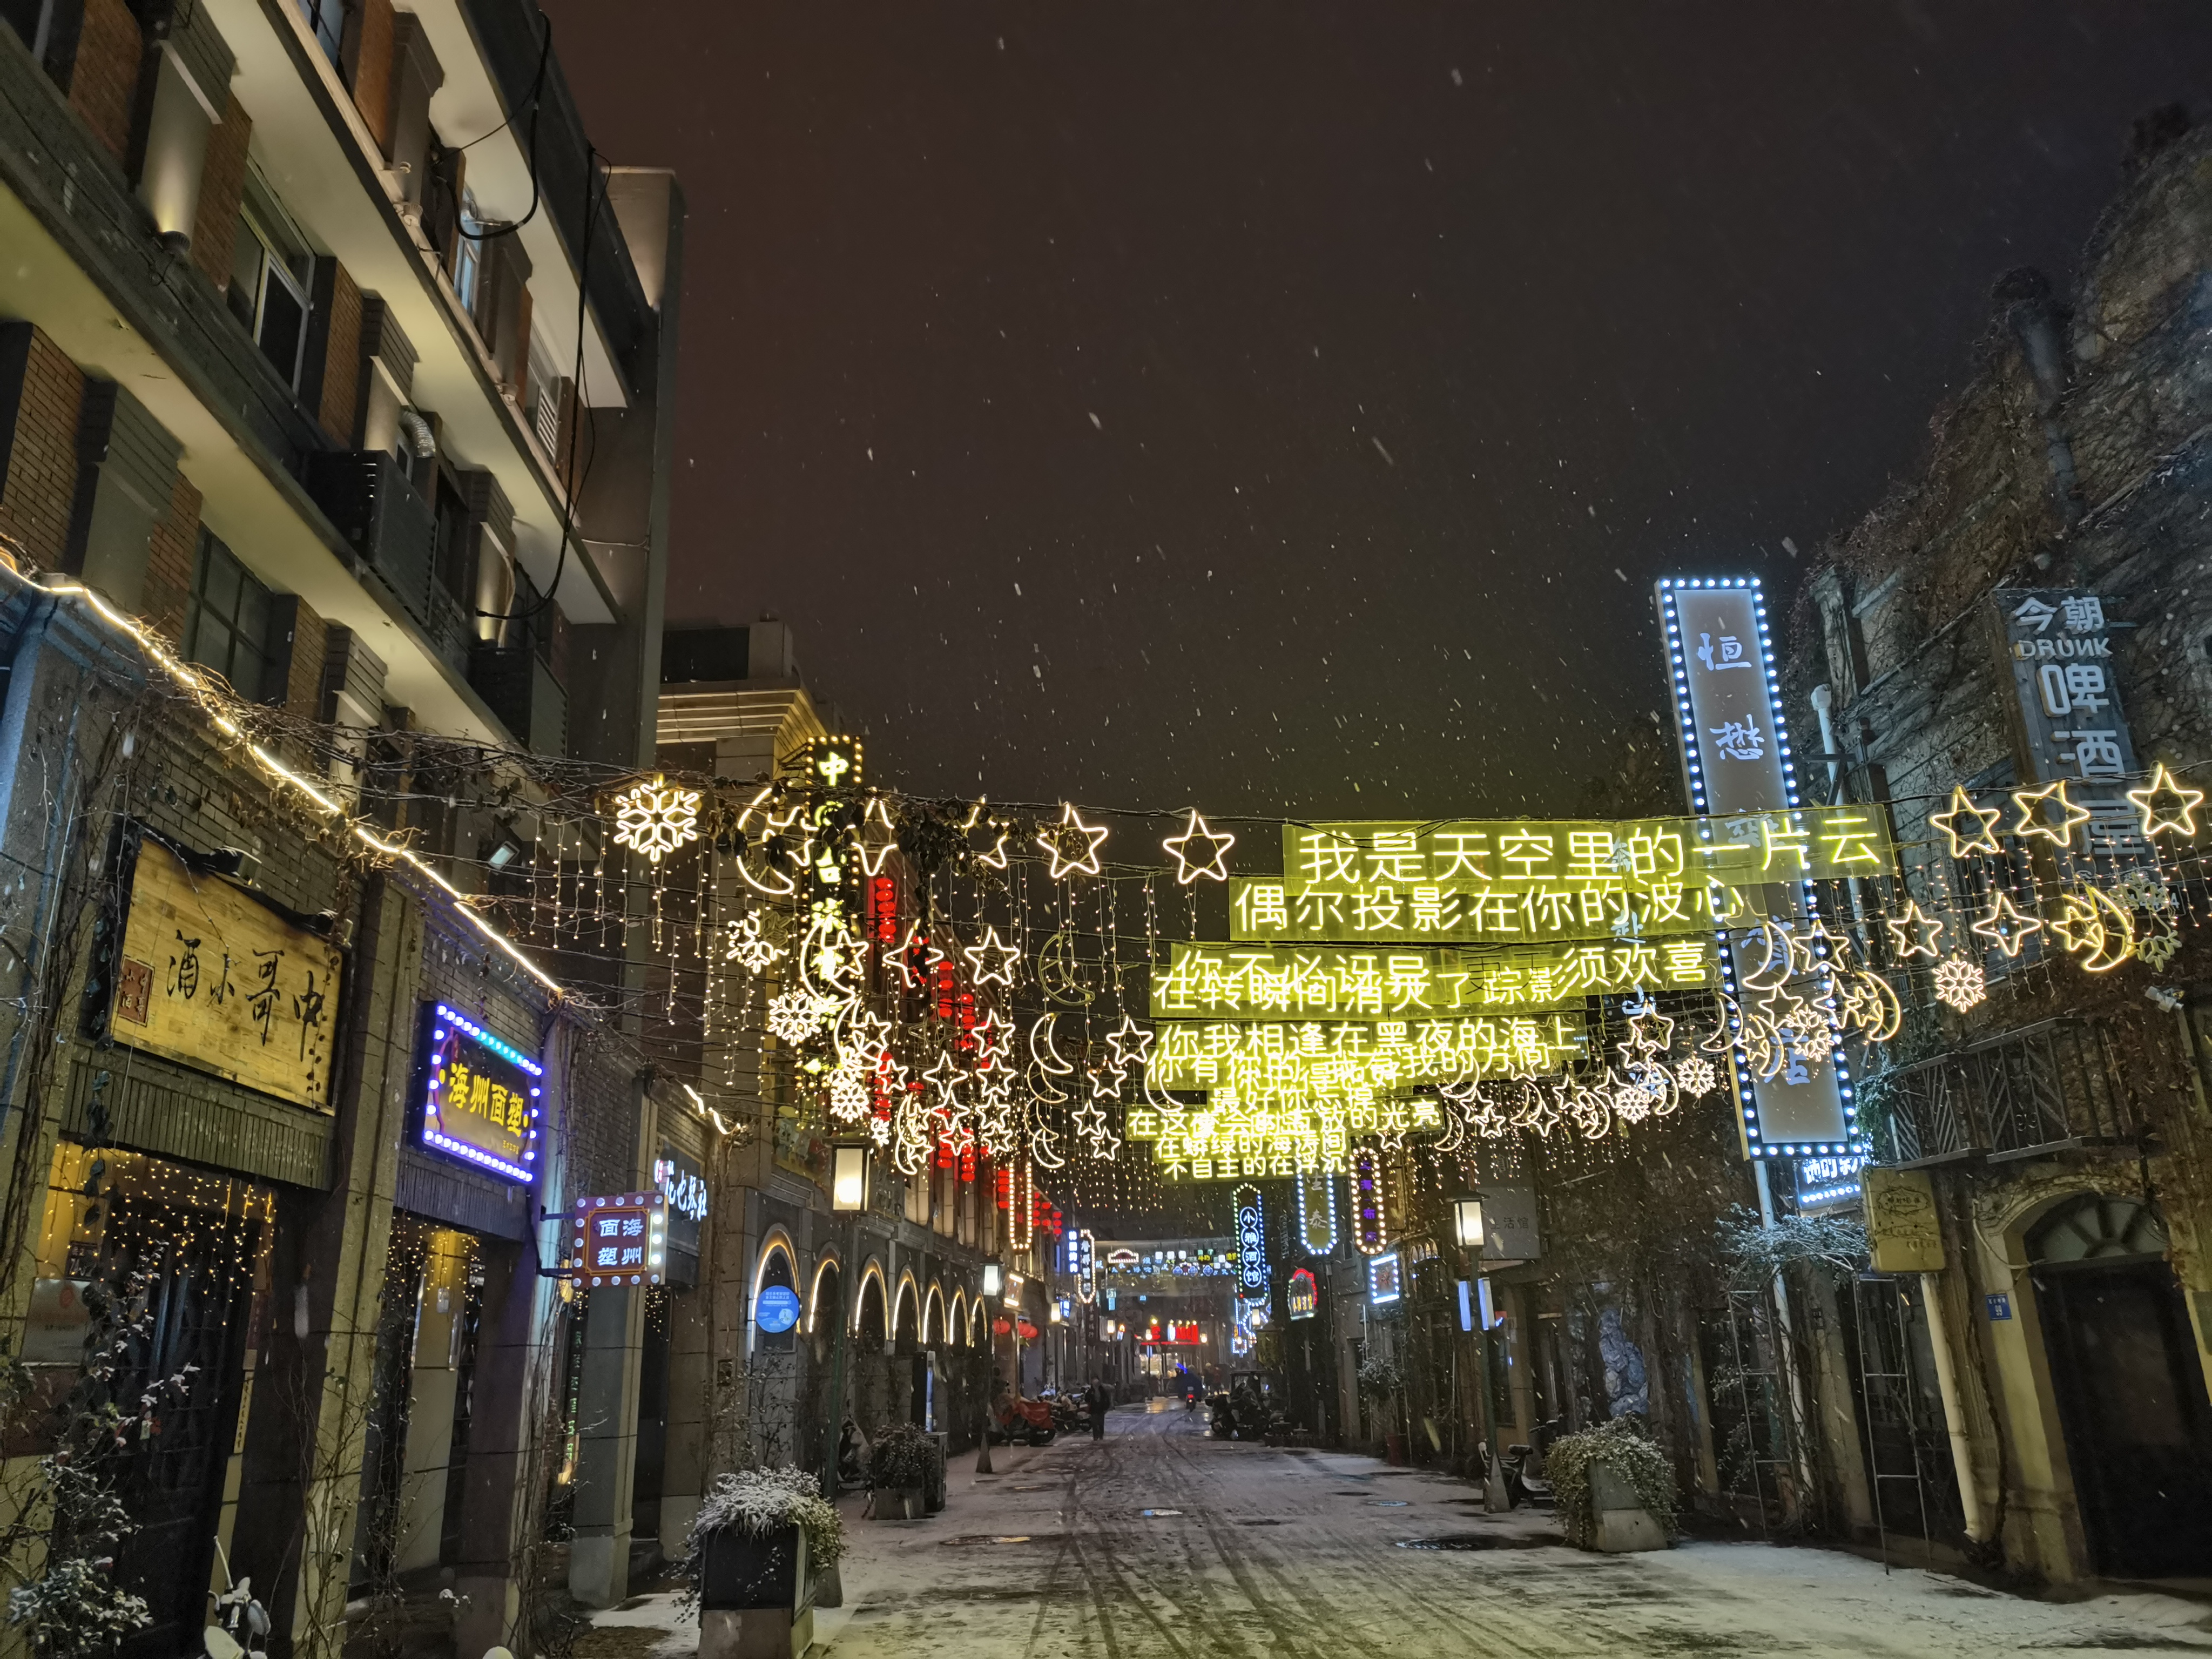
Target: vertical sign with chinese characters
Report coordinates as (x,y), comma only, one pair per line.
(1251,1246)
(2061,647)
(480,1095)
(212,975)
(1082,1253)
(1735,759)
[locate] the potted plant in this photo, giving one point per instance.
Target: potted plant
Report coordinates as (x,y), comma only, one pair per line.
(899,1471)
(762,1542)
(1379,1384)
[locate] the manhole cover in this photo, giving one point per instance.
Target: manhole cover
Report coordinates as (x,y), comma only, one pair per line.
(1037,1486)
(1458,1540)
(1388,1503)
(1259,1523)
(1347,1494)
(1154,1514)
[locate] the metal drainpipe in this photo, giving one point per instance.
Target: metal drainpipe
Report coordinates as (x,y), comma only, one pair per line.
(1954,1412)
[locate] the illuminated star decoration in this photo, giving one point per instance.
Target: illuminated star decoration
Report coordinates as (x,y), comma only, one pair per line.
(656,819)
(1200,851)
(2005,925)
(2030,804)
(1130,1044)
(1915,932)
(1056,840)
(945,1077)
(1960,983)
(993,959)
(2177,820)
(2077,924)
(1969,828)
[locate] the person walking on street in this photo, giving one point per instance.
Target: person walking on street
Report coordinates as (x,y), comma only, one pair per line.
(1099,1400)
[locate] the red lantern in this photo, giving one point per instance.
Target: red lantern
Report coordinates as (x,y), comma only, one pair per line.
(1002,1326)
(1028,1331)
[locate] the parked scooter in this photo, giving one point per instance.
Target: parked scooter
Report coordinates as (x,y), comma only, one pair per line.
(1525,1480)
(1023,1422)
(1071,1412)
(241,1625)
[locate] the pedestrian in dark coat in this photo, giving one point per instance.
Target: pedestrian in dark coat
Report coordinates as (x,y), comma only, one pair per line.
(1099,1400)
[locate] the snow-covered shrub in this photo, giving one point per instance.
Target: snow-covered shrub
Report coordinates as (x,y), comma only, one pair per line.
(758,1501)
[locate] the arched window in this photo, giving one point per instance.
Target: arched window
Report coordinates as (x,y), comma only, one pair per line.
(2096,1229)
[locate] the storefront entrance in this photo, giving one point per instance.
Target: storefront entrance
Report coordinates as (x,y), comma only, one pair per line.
(2129,1387)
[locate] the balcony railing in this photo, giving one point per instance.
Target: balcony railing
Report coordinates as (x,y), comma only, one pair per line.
(2032,1092)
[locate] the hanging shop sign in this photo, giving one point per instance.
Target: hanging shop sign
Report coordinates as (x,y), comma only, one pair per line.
(216,977)
(1509,1231)
(1736,760)
(1303,1294)
(1511,882)
(619,1239)
(1369,1215)
(2061,647)
(1386,1280)
(1283,982)
(776,1309)
(1903,1229)
(1317,1212)
(1281,1060)
(479,1095)
(1824,1183)
(1251,1245)
(1083,1254)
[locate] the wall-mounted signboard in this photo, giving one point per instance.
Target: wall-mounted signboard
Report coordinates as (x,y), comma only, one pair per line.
(480,1095)
(218,977)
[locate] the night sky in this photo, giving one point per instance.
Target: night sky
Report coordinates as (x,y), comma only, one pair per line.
(1285,407)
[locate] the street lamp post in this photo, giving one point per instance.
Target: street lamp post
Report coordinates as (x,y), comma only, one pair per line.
(849,1197)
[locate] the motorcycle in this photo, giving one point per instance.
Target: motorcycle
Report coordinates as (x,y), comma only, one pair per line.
(1071,1412)
(1023,1422)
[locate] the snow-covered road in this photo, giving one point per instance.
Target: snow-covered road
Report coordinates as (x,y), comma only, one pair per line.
(1247,1551)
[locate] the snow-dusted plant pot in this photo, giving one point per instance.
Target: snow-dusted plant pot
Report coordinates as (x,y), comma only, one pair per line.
(741,1570)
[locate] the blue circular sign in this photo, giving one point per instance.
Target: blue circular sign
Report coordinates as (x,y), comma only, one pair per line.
(776,1308)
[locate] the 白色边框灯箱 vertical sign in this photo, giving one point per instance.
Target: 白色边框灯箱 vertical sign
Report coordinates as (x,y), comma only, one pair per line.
(1735,759)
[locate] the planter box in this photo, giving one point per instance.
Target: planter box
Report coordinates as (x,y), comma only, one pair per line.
(898,1503)
(755,1632)
(1623,1526)
(742,1571)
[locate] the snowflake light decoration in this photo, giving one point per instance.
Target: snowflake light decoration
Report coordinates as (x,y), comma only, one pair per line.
(656,819)
(1695,1076)
(1960,983)
(1631,1104)
(792,1017)
(848,1094)
(745,942)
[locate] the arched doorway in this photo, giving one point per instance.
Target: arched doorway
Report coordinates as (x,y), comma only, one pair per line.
(2130,1390)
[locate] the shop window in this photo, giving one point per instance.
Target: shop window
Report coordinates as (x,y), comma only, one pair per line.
(231,623)
(270,265)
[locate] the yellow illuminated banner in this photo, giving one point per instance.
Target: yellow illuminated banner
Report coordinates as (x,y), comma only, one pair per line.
(1245,981)
(1263,907)
(1280,1061)
(1475,856)
(1231,1141)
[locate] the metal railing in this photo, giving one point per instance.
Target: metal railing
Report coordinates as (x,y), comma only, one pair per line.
(2039,1089)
